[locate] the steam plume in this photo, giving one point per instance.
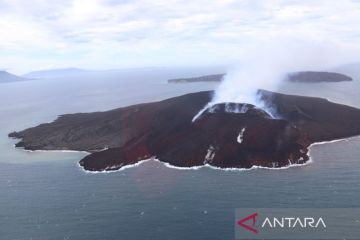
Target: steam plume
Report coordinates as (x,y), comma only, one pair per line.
(266,66)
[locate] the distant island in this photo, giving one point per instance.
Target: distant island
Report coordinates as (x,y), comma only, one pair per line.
(6,77)
(304,77)
(218,138)
(205,78)
(314,77)
(58,73)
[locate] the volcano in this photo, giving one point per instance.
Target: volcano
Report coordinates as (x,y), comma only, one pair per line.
(219,137)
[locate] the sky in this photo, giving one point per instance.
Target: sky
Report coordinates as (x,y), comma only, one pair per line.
(105,34)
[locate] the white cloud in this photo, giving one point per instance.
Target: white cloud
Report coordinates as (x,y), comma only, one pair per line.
(162,32)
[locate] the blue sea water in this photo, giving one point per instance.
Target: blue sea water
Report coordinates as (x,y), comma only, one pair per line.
(46,195)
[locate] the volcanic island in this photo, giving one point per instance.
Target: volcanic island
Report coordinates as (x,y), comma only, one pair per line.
(221,136)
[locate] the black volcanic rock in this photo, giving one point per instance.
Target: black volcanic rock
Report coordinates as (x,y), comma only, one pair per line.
(305,77)
(242,138)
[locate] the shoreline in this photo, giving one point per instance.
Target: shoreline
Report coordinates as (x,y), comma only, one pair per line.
(58,151)
(195,168)
(333,141)
(55,151)
(310,161)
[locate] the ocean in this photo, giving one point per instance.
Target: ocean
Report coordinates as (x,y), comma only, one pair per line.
(46,195)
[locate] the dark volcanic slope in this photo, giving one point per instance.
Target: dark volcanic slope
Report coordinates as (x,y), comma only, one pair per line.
(305,77)
(219,138)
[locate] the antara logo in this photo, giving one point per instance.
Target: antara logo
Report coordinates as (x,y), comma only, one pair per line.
(251,228)
(293,222)
(249,222)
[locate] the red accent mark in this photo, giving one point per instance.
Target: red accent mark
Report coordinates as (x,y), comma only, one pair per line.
(251,228)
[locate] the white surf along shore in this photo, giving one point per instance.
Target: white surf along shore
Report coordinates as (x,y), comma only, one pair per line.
(108,170)
(218,168)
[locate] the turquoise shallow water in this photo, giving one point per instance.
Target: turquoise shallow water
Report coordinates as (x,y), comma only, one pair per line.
(47,196)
